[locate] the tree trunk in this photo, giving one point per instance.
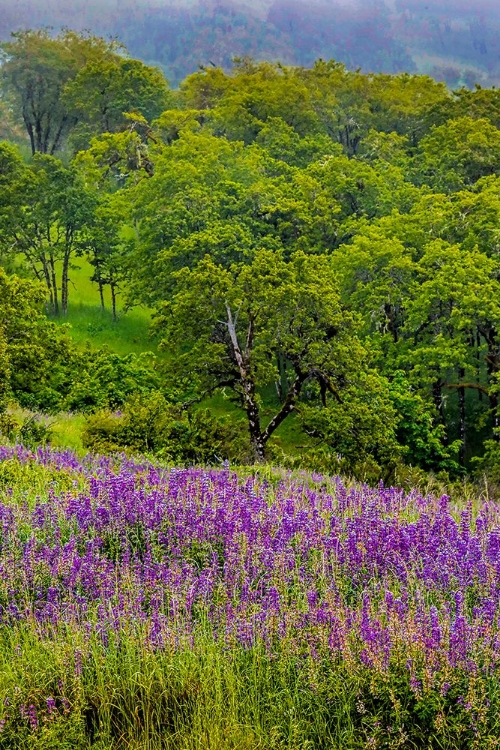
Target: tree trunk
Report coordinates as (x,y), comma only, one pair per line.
(392,322)
(97,277)
(288,405)
(29,128)
(38,136)
(113,301)
(256,439)
(58,136)
(250,403)
(64,282)
(48,282)
(53,278)
(463,424)
(101,294)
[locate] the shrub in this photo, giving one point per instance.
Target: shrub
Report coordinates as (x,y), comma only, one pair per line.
(149,424)
(31,431)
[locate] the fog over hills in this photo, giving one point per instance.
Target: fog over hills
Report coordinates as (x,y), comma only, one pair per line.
(453,40)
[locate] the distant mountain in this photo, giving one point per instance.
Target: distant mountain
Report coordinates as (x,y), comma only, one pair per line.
(457,41)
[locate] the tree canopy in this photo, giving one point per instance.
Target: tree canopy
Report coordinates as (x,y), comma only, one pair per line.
(319,247)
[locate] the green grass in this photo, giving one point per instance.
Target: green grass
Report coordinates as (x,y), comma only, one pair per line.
(131,697)
(65,428)
(91,325)
(128,335)
(67,432)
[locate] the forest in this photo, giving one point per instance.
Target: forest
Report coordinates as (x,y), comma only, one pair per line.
(317,251)
(249,405)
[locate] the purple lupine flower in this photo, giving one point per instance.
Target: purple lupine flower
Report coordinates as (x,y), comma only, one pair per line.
(329,569)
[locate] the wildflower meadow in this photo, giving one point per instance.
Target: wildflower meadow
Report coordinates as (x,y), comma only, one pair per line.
(145,607)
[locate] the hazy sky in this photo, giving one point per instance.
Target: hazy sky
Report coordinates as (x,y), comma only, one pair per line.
(439,6)
(453,40)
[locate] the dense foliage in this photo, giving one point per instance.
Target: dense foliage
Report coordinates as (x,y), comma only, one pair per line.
(319,248)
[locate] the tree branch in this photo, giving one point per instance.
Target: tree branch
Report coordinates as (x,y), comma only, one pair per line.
(287,407)
(474,386)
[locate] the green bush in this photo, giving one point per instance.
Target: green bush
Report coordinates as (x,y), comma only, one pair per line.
(149,424)
(89,380)
(30,431)
(9,426)
(489,463)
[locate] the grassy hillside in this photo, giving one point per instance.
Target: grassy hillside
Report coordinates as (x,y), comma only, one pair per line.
(90,324)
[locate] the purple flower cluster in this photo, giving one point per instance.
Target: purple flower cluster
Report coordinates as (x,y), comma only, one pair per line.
(371,576)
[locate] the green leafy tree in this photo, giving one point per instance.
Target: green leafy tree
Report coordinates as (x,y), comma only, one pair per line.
(4,374)
(101,379)
(339,98)
(10,130)
(105,89)
(356,432)
(478,103)
(108,247)
(418,431)
(35,70)
(376,275)
(401,104)
(46,219)
(30,346)
(241,328)
(452,318)
(114,161)
(457,154)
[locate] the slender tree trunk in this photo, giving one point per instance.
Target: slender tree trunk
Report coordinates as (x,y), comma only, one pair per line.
(64,282)
(53,277)
(58,136)
(98,278)
(113,300)
(288,406)
(40,275)
(38,136)
(48,282)
(29,128)
(256,439)
(391,315)
(101,293)
(250,403)
(46,139)
(463,423)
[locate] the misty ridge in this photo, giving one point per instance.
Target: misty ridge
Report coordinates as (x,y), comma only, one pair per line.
(454,41)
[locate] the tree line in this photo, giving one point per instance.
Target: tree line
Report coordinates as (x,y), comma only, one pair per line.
(317,244)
